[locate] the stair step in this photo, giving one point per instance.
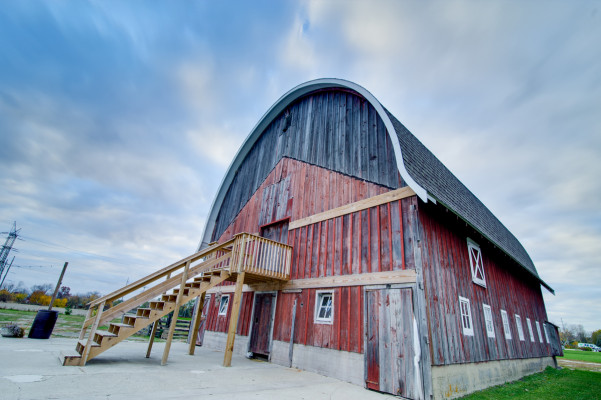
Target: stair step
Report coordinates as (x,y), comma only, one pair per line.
(115,327)
(169,298)
(143,312)
(157,305)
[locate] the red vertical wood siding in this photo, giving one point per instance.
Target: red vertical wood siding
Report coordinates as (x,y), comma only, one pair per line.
(219,323)
(447,275)
(346,331)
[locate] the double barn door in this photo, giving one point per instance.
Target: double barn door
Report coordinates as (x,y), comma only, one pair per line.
(392,354)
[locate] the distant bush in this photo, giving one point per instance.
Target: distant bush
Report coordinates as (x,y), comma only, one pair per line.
(5,295)
(586,349)
(40,298)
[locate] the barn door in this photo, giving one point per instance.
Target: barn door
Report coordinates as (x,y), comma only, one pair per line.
(203,318)
(277,231)
(260,337)
(391,349)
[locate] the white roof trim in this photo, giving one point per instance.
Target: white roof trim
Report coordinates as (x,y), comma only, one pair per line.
(273,112)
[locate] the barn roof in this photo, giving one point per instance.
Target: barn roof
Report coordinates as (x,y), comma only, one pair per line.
(419,168)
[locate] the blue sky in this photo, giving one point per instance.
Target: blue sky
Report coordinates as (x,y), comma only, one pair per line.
(119,119)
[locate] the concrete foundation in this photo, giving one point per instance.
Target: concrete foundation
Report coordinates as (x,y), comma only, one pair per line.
(451,381)
(343,365)
(218,340)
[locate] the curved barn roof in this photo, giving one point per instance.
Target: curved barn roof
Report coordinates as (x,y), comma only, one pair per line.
(418,167)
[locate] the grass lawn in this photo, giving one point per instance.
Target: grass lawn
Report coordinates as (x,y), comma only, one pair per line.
(550,384)
(66,325)
(579,355)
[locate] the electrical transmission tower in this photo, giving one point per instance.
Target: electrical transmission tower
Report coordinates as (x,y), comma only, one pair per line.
(8,245)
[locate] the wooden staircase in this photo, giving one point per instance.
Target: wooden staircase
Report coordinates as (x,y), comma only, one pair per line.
(245,255)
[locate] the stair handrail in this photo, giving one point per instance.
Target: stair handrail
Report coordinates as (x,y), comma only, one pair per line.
(109,298)
(149,294)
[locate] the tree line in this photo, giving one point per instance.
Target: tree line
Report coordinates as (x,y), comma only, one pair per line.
(42,295)
(571,335)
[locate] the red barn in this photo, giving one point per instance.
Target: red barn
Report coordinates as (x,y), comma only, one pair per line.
(355,254)
(401,279)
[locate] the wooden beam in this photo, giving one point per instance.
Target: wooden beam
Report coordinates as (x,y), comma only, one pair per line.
(195,325)
(231,333)
(373,278)
(384,198)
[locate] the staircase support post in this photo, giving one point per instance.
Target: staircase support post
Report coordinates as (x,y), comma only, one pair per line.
(231,333)
(86,351)
(178,303)
(196,324)
(154,328)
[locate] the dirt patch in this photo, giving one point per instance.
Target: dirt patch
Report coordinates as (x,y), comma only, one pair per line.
(571,364)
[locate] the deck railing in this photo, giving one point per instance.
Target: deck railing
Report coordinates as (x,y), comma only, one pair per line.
(260,256)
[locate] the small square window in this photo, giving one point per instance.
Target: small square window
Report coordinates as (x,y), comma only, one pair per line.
(490,327)
(530,329)
(476,263)
(466,316)
(518,324)
(223,303)
(324,307)
(506,328)
(540,336)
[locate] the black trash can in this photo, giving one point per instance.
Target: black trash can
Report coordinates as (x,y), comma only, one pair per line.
(43,324)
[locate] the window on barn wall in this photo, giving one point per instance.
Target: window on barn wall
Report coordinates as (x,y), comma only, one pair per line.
(530,329)
(324,307)
(223,303)
(490,327)
(466,316)
(540,337)
(505,324)
(476,264)
(518,324)
(546,328)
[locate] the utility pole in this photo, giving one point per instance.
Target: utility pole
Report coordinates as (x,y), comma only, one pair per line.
(8,245)
(7,269)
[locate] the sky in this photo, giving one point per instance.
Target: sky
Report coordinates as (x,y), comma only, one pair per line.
(118,120)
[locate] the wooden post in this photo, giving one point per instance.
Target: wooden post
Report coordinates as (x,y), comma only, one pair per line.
(196,324)
(84,328)
(291,348)
(58,285)
(231,333)
(178,303)
(154,328)
(86,350)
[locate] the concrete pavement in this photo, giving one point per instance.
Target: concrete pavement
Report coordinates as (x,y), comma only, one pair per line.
(30,369)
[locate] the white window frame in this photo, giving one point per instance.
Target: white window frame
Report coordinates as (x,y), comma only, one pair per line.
(546,328)
(466,316)
(518,324)
(530,330)
(476,263)
(224,304)
(506,328)
(319,295)
(540,336)
(488,321)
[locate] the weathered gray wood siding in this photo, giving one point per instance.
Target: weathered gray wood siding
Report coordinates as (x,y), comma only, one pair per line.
(333,129)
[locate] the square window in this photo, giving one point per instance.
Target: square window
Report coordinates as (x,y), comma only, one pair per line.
(490,327)
(466,316)
(223,303)
(324,307)
(506,328)
(476,264)
(540,337)
(530,329)
(518,324)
